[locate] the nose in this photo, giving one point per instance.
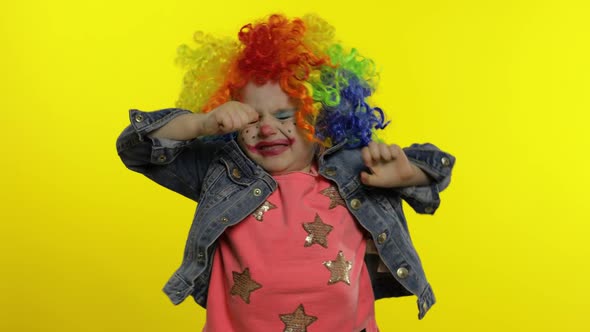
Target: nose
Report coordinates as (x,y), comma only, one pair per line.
(266,129)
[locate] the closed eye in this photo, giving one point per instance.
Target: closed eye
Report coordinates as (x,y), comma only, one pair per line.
(285,114)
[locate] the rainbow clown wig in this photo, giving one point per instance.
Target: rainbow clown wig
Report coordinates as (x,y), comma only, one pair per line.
(331,84)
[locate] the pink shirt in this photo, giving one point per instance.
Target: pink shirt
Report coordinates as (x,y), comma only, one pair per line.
(297,262)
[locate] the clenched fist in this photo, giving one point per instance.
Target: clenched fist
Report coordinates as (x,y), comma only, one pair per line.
(229,117)
(389,167)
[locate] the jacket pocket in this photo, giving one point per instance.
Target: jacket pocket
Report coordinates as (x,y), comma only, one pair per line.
(222,185)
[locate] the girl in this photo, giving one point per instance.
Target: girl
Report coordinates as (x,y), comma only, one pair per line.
(300,224)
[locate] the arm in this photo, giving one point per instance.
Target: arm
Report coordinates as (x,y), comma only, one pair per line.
(419,173)
(227,118)
(165,145)
(173,162)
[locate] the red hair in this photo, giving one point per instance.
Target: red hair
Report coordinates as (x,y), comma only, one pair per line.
(273,51)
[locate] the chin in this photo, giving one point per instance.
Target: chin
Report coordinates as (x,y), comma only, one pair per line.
(276,170)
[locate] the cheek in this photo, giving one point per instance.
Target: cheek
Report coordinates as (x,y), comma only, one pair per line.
(248,135)
(289,128)
(294,132)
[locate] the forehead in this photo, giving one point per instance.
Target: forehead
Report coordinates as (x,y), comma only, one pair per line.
(266,98)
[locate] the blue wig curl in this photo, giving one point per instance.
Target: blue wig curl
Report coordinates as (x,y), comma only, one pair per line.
(349,116)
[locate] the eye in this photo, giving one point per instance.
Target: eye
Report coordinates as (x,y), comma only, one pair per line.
(284,115)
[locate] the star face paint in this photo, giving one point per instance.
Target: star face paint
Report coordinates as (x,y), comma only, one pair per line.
(274,142)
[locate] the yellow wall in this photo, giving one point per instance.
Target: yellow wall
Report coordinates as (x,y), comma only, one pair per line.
(86,245)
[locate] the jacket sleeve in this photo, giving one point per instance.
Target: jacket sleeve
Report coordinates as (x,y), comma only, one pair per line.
(438,166)
(177,165)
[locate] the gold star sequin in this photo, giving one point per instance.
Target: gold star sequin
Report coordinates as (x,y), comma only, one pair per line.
(244,285)
(335,198)
(339,269)
(297,321)
(259,213)
(317,232)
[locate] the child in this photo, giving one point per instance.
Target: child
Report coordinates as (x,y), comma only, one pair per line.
(299,225)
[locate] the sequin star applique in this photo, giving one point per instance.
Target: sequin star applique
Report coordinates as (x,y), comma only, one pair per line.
(317,232)
(335,199)
(297,321)
(339,269)
(244,285)
(259,213)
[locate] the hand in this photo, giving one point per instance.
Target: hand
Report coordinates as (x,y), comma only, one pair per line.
(390,167)
(229,117)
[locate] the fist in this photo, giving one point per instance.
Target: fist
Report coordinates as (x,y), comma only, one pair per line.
(389,167)
(229,117)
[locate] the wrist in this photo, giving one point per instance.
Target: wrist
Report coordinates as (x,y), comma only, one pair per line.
(420,178)
(198,124)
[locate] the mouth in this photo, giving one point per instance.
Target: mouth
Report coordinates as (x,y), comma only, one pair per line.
(271,148)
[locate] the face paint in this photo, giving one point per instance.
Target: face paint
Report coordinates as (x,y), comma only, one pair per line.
(274,142)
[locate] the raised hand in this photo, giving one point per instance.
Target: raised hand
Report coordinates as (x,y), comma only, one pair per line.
(389,167)
(228,117)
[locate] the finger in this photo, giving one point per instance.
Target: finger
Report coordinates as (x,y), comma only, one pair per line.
(251,114)
(225,122)
(395,151)
(385,152)
(398,153)
(370,179)
(237,119)
(366,155)
(247,114)
(405,169)
(366,178)
(374,149)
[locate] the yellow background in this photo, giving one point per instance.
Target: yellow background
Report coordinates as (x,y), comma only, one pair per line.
(86,245)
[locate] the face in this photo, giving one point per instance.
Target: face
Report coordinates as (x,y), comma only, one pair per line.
(274,142)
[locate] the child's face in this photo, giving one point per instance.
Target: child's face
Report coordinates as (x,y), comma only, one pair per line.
(274,142)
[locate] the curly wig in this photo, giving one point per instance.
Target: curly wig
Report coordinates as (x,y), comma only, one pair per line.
(332,84)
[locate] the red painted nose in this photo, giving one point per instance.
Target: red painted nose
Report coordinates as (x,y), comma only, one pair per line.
(266,130)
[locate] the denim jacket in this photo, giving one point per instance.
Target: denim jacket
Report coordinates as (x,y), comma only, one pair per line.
(228,186)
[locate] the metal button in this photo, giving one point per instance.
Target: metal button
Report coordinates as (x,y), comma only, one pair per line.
(236,173)
(200,257)
(162,158)
(382,237)
(355,203)
(402,272)
(224,220)
(429,209)
(445,161)
(257,192)
(330,172)
(177,292)
(138,118)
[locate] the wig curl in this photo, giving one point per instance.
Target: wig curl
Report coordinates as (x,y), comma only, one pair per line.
(330,83)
